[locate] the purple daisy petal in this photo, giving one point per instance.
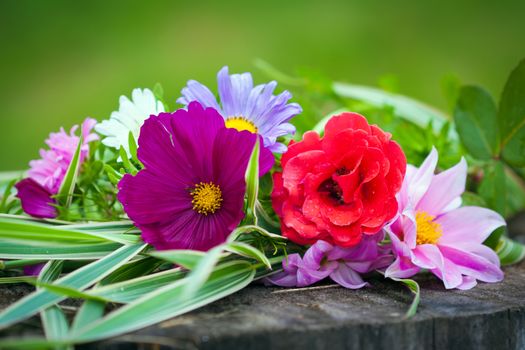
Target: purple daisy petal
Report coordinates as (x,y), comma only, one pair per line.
(195,91)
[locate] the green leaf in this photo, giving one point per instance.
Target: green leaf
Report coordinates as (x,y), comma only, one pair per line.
(403,106)
(53,319)
(202,271)
(88,313)
(168,302)
(252,184)
(18,279)
(68,291)
(476,121)
(6,195)
(184,257)
(130,168)
(493,188)
(113,175)
(16,230)
(128,291)
(65,193)
(132,147)
(510,251)
(414,288)
(64,252)
(248,251)
(79,279)
(511,117)
(132,269)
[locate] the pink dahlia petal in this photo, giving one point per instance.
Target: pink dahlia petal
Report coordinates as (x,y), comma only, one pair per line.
(468,225)
(421,180)
(473,265)
(427,256)
(444,189)
(36,200)
(347,277)
(402,267)
(468,283)
(449,273)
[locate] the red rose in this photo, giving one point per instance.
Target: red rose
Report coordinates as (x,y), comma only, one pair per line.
(339,187)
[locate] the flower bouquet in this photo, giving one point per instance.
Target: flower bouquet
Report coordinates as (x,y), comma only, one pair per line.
(160,210)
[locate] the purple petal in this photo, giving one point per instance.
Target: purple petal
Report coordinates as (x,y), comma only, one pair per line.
(283,279)
(33,270)
(347,277)
(36,200)
(226,93)
(316,253)
(468,225)
(195,91)
(444,189)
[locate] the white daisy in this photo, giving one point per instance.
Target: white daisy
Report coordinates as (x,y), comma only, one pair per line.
(129,117)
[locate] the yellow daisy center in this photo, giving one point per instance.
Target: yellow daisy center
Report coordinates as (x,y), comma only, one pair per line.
(240,123)
(428,231)
(207,198)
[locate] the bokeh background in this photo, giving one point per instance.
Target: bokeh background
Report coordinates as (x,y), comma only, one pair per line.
(61,61)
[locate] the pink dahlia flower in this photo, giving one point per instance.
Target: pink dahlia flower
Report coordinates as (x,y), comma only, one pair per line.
(342,265)
(46,174)
(433,232)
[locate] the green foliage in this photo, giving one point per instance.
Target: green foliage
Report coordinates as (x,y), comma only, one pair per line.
(476,122)
(511,117)
(414,288)
(252,185)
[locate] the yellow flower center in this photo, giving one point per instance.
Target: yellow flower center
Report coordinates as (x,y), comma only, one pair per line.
(207,198)
(428,231)
(240,123)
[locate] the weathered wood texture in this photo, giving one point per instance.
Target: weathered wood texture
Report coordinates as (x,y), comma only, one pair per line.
(490,316)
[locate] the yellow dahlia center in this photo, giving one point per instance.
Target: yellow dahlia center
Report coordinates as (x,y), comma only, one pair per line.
(207,198)
(428,231)
(240,123)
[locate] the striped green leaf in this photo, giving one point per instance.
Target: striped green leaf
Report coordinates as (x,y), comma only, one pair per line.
(79,279)
(63,252)
(510,251)
(248,251)
(168,302)
(65,193)
(252,184)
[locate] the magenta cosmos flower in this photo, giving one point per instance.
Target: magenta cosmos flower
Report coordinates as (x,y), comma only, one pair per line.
(433,232)
(46,175)
(343,265)
(190,194)
(247,107)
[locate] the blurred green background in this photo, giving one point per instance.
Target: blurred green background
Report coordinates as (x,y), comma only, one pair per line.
(64,60)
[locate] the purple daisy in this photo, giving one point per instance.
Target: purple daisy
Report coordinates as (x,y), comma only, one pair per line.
(245,107)
(190,194)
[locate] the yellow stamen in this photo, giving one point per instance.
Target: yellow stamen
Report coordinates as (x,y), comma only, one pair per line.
(240,123)
(428,231)
(207,198)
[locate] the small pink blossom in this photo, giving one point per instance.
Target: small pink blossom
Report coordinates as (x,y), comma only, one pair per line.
(46,174)
(433,232)
(343,265)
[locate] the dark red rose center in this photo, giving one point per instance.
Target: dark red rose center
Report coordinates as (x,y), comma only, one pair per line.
(331,190)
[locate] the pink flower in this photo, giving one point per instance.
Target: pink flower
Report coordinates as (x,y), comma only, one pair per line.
(433,232)
(46,174)
(342,265)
